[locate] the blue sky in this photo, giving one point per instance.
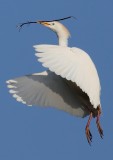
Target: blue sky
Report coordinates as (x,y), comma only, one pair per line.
(37,133)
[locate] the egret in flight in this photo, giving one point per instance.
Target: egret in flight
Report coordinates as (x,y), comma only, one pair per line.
(71,82)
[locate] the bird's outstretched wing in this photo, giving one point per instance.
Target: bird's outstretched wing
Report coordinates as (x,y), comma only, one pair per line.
(73,64)
(48,90)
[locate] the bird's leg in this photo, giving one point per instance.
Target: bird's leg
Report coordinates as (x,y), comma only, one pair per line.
(87,130)
(98,123)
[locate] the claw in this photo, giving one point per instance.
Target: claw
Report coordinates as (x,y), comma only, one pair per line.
(88,135)
(100,130)
(87,130)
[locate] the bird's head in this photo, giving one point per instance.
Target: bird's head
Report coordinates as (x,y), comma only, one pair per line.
(61,31)
(57,27)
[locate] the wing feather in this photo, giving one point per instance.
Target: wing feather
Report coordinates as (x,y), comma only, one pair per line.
(48,90)
(73,64)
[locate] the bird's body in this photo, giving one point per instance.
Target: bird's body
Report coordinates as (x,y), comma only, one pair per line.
(71,83)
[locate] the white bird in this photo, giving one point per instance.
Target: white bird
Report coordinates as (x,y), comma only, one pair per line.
(71,82)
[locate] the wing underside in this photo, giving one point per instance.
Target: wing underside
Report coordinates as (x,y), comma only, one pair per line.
(48,90)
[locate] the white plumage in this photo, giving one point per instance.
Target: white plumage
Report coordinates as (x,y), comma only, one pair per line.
(73,64)
(71,83)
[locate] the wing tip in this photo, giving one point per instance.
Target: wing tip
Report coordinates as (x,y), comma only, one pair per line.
(11,85)
(11,81)
(18,98)
(35,46)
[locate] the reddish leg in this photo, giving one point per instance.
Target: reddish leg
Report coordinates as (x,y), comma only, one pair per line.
(87,130)
(98,123)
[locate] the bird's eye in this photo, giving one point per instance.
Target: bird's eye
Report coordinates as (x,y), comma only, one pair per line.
(53,24)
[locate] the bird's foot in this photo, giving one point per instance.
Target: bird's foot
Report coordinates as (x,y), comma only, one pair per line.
(87,130)
(100,130)
(88,135)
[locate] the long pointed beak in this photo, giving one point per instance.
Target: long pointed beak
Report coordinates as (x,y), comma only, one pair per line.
(43,23)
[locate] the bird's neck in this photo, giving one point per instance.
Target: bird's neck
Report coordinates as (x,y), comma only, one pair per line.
(63,41)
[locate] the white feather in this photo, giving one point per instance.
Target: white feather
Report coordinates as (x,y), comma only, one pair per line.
(11,86)
(11,81)
(73,64)
(12,91)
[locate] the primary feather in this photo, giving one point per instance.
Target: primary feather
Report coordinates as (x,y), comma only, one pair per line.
(48,90)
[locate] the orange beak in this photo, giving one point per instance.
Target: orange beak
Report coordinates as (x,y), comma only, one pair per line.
(43,23)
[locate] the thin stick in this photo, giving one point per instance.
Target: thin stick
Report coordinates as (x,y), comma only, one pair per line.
(28,22)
